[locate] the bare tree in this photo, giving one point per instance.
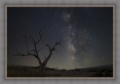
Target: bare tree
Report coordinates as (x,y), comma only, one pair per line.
(35,51)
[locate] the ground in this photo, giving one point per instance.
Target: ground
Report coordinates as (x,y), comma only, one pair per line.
(26,71)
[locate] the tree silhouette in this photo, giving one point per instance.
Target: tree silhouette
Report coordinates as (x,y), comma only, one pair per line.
(35,51)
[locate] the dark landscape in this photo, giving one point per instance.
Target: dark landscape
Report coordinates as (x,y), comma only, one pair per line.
(28,71)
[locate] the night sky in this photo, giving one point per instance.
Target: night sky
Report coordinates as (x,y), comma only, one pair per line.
(86,34)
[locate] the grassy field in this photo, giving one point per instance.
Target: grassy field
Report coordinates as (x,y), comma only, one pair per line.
(25,71)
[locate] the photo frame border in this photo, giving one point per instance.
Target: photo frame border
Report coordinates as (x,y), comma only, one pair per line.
(6,6)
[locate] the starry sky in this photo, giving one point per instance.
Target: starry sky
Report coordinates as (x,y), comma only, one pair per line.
(86,34)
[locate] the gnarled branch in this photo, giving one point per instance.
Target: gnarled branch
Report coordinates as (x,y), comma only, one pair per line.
(48,47)
(33,52)
(50,52)
(40,37)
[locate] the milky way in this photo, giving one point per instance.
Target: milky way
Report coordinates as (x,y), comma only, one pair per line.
(75,38)
(70,34)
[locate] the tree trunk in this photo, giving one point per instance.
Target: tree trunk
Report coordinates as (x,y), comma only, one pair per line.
(43,65)
(40,64)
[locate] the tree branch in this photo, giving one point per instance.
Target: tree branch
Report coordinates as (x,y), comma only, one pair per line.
(32,40)
(33,52)
(48,47)
(18,54)
(40,37)
(57,43)
(39,50)
(50,50)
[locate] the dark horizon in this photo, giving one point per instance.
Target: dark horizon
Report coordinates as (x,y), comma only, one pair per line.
(86,34)
(61,68)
